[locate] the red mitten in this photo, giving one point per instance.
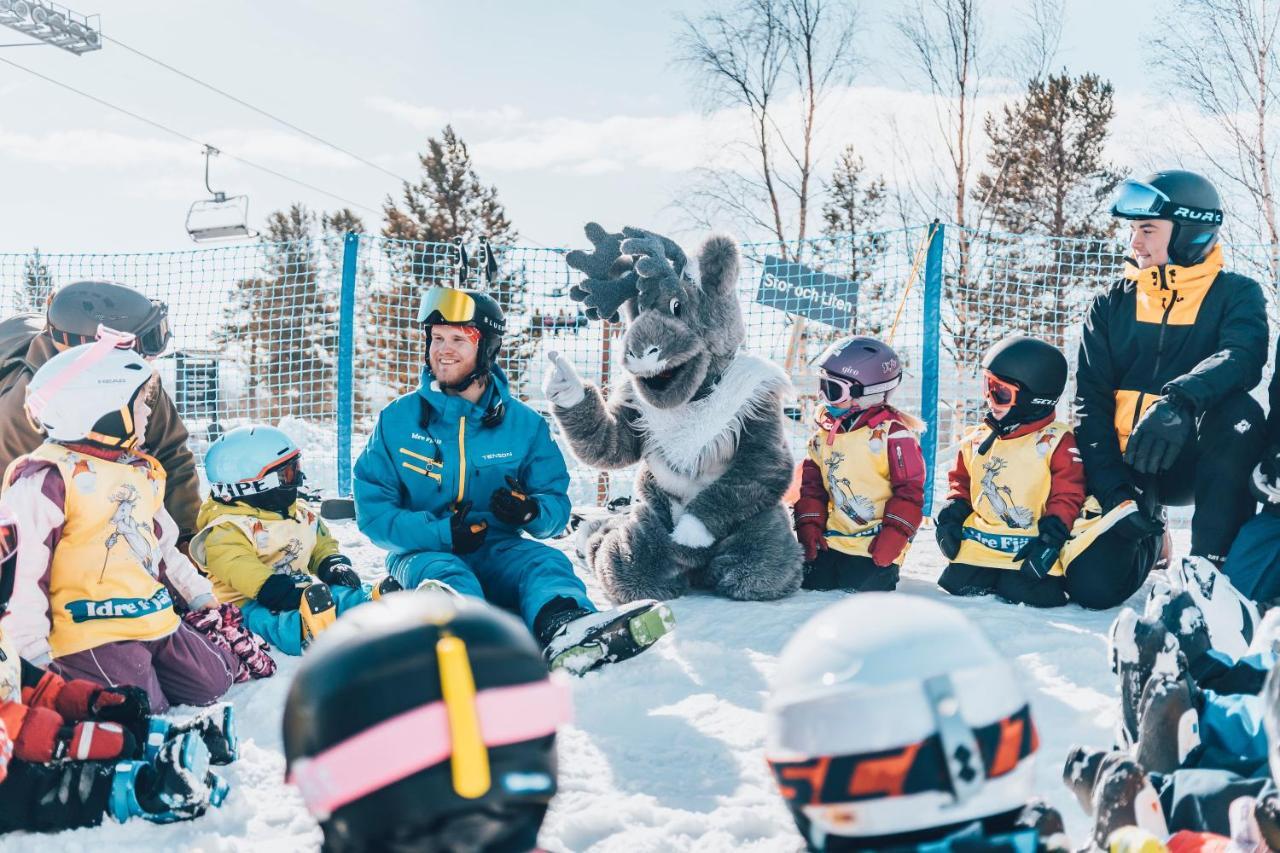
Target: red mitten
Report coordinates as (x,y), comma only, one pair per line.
(887,545)
(90,741)
(37,740)
(813,539)
(6,751)
(73,701)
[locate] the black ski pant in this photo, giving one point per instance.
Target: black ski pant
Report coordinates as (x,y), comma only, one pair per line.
(54,797)
(1010,584)
(1111,569)
(1213,473)
(851,572)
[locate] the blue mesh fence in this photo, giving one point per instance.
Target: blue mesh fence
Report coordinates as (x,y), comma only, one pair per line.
(316,336)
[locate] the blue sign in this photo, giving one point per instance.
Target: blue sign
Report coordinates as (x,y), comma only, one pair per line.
(817,296)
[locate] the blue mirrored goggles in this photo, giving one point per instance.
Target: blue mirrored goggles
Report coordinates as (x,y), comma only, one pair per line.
(1138,200)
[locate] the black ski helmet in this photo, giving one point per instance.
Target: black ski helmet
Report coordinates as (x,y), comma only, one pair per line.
(403,706)
(76,311)
(1039,370)
(455,307)
(1186,199)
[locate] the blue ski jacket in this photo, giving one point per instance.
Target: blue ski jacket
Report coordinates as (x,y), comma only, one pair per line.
(431,450)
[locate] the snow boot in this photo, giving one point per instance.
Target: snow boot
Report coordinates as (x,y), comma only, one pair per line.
(386,586)
(318,611)
(176,786)
(580,641)
(1184,619)
(1168,724)
(1139,649)
(1231,618)
(216,726)
(1124,797)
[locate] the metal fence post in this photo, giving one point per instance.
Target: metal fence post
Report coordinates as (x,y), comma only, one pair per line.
(932,356)
(346,360)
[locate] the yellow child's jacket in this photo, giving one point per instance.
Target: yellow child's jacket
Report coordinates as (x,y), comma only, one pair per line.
(240,546)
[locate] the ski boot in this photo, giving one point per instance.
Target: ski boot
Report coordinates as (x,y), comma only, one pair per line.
(176,786)
(386,586)
(1231,618)
(318,611)
(580,641)
(1080,774)
(1123,797)
(1140,648)
(216,726)
(1168,724)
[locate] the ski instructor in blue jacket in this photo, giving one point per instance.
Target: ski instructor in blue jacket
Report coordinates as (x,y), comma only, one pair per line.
(458,470)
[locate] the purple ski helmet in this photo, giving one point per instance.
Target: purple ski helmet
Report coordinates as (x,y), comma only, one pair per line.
(858,372)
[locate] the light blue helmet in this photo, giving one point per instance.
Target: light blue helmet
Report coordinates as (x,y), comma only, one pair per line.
(250,460)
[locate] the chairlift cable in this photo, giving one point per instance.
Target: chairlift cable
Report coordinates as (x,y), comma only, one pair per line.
(257,110)
(179,134)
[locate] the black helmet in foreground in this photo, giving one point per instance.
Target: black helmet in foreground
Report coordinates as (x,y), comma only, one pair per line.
(1184,198)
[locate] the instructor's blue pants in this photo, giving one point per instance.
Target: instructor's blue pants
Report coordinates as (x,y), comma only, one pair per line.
(516,574)
(283,630)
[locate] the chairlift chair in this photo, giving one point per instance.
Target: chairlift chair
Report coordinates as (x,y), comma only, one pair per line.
(221,217)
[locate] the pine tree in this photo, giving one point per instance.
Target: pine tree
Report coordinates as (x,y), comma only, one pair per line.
(37,284)
(1047,175)
(855,204)
(283,325)
(449,202)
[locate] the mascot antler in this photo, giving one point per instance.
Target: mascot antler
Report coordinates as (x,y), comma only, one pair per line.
(604,289)
(657,257)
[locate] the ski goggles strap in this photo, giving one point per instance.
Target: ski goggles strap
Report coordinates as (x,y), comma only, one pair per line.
(282,472)
(415,740)
(1138,200)
(916,768)
(446,305)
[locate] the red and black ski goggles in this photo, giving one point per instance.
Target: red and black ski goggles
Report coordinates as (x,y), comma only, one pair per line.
(1001,395)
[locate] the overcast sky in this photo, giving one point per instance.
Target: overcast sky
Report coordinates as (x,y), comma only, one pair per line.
(573,108)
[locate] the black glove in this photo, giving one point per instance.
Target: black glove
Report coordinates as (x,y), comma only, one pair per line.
(283,592)
(467,536)
(128,706)
(512,505)
(949,527)
(1136,525)
(1161,434)
(336,570)
(1039,555)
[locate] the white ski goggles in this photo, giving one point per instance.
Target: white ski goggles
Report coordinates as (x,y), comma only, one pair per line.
(1138,200)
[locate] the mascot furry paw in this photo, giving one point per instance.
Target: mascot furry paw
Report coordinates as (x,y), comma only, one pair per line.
(703,420)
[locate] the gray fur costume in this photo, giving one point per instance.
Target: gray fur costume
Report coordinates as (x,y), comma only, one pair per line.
(703,420)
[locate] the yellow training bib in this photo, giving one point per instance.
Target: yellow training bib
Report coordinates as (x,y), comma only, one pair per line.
(284,545)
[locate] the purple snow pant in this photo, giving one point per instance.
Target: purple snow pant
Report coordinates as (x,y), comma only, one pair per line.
(183,668)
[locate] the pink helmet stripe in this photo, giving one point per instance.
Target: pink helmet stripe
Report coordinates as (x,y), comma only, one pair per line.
(108,340)
(415,740)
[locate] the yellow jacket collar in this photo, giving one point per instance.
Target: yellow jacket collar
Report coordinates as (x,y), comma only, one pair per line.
(1173,277)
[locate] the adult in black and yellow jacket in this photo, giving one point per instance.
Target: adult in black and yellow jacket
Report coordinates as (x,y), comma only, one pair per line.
(1168,356)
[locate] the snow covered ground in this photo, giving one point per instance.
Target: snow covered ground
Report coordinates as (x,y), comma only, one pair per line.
(667,750)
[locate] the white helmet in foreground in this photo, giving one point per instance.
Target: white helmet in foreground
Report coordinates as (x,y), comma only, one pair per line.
(893,715)
(90,392)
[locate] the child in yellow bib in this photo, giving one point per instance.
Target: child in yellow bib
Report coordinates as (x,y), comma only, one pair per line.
(862,484)
(99,572)
(1018,523)
(267,551)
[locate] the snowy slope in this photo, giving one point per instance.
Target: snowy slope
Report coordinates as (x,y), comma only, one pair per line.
(666,752)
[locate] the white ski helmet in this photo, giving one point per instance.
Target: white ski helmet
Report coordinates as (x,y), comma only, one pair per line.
(89,391)
(893,714)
